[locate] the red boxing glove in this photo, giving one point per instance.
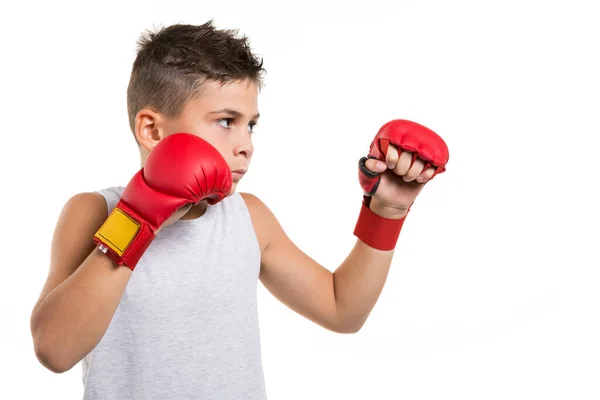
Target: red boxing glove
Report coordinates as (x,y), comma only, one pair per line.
(181,169)
(382,233)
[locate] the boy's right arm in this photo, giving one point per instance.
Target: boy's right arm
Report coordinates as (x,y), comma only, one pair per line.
(84,285)
(82,290)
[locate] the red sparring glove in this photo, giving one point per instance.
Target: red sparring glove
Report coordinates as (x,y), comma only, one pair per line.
(382,233)
(181,169)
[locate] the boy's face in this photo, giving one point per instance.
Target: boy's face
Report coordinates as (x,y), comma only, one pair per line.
(224,116)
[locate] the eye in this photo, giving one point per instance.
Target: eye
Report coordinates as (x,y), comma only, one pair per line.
(227,122)
(252,125)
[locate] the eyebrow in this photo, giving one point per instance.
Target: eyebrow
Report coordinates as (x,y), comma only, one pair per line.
(234,113)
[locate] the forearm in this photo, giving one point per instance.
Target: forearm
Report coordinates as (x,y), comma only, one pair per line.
(72,319)
(358,282)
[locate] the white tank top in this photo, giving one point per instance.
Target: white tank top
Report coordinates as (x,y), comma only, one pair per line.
(187,324)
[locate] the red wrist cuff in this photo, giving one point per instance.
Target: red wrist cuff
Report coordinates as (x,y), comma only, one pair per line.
(376,231)
(124,236)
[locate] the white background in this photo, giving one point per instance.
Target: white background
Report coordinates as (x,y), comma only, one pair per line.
(493,292)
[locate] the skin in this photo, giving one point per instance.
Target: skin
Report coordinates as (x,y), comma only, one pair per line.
(84,287)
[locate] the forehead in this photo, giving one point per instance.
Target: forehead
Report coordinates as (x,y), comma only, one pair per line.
(241,96)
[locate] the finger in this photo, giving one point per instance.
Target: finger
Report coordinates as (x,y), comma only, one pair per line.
(403,163)
(391,157)
(375,165)
(414,171)
(426,175)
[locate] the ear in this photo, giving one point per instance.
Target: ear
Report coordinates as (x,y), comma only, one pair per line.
(148,128)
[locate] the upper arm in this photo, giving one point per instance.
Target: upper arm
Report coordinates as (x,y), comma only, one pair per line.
(72,241)
(288,273)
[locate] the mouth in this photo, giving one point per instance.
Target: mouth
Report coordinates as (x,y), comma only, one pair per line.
(238,174)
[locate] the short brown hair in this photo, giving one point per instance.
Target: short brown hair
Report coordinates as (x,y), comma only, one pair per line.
(173,62)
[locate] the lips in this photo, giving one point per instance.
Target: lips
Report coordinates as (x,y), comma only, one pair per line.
(238,174)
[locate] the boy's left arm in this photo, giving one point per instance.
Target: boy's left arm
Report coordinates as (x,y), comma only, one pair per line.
(341,301)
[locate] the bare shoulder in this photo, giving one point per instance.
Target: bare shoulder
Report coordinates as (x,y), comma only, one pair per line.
(81,216)
(85,202)
(252,201)
(257,208)
(72,240)
(264,221)
(81,213)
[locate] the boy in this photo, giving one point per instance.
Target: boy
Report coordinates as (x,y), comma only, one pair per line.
(153,286)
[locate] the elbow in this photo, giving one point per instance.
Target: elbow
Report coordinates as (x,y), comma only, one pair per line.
(347,323)
(348,328)
(49,358)
(48,353)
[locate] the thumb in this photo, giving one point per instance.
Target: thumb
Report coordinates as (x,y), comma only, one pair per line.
(375,165)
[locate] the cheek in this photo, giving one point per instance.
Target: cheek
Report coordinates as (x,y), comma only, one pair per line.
(217,139)
(223,148)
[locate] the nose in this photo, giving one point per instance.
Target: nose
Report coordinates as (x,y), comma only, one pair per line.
(244,147)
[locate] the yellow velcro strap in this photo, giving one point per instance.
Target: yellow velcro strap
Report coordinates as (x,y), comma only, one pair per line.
(118,231)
